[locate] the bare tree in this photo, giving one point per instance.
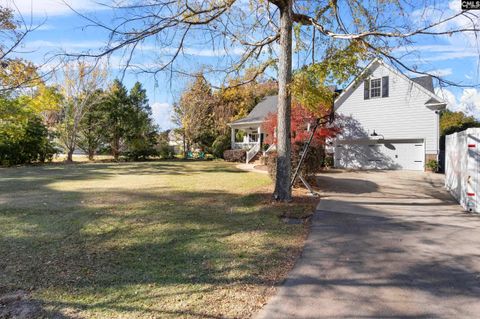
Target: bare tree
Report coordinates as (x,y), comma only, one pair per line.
(246,33)
(12,32)
(80,82)
(15,73)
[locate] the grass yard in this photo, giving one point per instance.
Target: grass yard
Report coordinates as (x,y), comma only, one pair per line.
(142,240)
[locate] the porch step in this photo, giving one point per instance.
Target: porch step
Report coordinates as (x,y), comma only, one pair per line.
(256,159)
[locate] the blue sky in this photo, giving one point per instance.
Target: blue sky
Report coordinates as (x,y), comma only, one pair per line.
(455,58)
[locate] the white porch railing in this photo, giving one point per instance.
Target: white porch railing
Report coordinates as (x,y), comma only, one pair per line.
(252,152)
(271,148)
(244,145)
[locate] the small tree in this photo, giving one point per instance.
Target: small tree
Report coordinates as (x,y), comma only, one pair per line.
(195,111)
(141,138)
(303,121)
(79,83)
(23,136)
(118,109)
(93,126)
(177,116)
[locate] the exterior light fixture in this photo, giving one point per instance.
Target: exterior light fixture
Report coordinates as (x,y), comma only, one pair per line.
(375,136)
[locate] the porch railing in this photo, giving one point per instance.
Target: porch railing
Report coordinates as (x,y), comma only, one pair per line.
(271,148)
(244,145)
(252,152)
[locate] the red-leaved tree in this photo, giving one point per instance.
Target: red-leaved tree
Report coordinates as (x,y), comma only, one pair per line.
(303,122)
(302,119)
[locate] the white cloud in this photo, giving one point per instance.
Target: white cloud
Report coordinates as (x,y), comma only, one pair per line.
(213,53)
(468,22)
(458,45)
(45,27)
(442,12)
(42,44)
(35,25)
(442,72)
(203,52)
(468,103)
(162,114)
(448,97)
(51,7)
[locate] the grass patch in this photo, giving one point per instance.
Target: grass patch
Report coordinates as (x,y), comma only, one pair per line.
(144,240)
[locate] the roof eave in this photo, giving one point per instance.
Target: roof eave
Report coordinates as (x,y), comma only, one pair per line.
(436,106)
(244,123)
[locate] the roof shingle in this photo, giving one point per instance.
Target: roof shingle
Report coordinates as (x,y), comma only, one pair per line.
(425,81)
(260,111)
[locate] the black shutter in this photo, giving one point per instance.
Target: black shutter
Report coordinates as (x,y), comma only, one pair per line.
(366,89)
(385,86)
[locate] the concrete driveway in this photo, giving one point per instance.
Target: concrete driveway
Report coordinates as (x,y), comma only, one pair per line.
(385,245)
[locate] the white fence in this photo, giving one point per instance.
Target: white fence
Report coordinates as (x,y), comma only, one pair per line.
(462,161)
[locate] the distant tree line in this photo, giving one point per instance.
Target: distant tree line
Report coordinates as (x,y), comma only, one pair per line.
(452,122)
(37,121)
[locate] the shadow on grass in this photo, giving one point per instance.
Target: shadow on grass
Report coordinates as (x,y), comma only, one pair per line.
(88,171)
(156,240)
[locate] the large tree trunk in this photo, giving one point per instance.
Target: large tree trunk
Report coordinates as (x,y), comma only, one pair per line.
(184,146)
(283,190)
(91,154)
(116,148)
(70,155)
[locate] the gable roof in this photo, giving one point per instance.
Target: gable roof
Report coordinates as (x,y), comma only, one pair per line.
(419,82)
(260,111)
(425,81)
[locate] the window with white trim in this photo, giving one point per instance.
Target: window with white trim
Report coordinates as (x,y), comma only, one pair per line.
(375,88)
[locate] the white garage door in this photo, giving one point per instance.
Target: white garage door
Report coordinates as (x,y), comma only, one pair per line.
(383,154)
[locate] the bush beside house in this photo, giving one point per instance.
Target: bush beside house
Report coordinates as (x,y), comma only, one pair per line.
(235,155)
(311,165)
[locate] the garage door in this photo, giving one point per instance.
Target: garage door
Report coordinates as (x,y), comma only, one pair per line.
(384,154)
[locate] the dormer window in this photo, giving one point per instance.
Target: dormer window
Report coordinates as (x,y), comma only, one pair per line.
(375,88)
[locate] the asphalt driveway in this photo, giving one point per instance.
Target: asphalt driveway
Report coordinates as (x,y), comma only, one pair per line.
(385,245)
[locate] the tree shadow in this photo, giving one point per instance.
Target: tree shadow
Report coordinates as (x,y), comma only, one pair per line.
(329,184)
(365,153)
(361,262)
(93,255)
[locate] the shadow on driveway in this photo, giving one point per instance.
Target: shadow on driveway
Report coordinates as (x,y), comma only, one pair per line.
(399,249)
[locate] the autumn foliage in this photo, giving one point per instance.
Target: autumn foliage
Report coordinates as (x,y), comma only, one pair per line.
(301,120)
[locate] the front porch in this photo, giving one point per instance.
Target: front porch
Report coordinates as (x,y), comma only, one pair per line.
(247,132)
(246,137)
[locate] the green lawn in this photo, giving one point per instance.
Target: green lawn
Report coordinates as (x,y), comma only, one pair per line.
(143,240)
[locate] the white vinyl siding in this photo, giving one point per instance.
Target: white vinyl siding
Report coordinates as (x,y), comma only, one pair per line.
(401,115)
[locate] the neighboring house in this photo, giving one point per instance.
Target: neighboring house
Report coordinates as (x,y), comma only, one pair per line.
(175,140)
(388,121)
(247,132)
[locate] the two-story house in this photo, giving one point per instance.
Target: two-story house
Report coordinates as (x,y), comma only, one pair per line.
(388,121)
